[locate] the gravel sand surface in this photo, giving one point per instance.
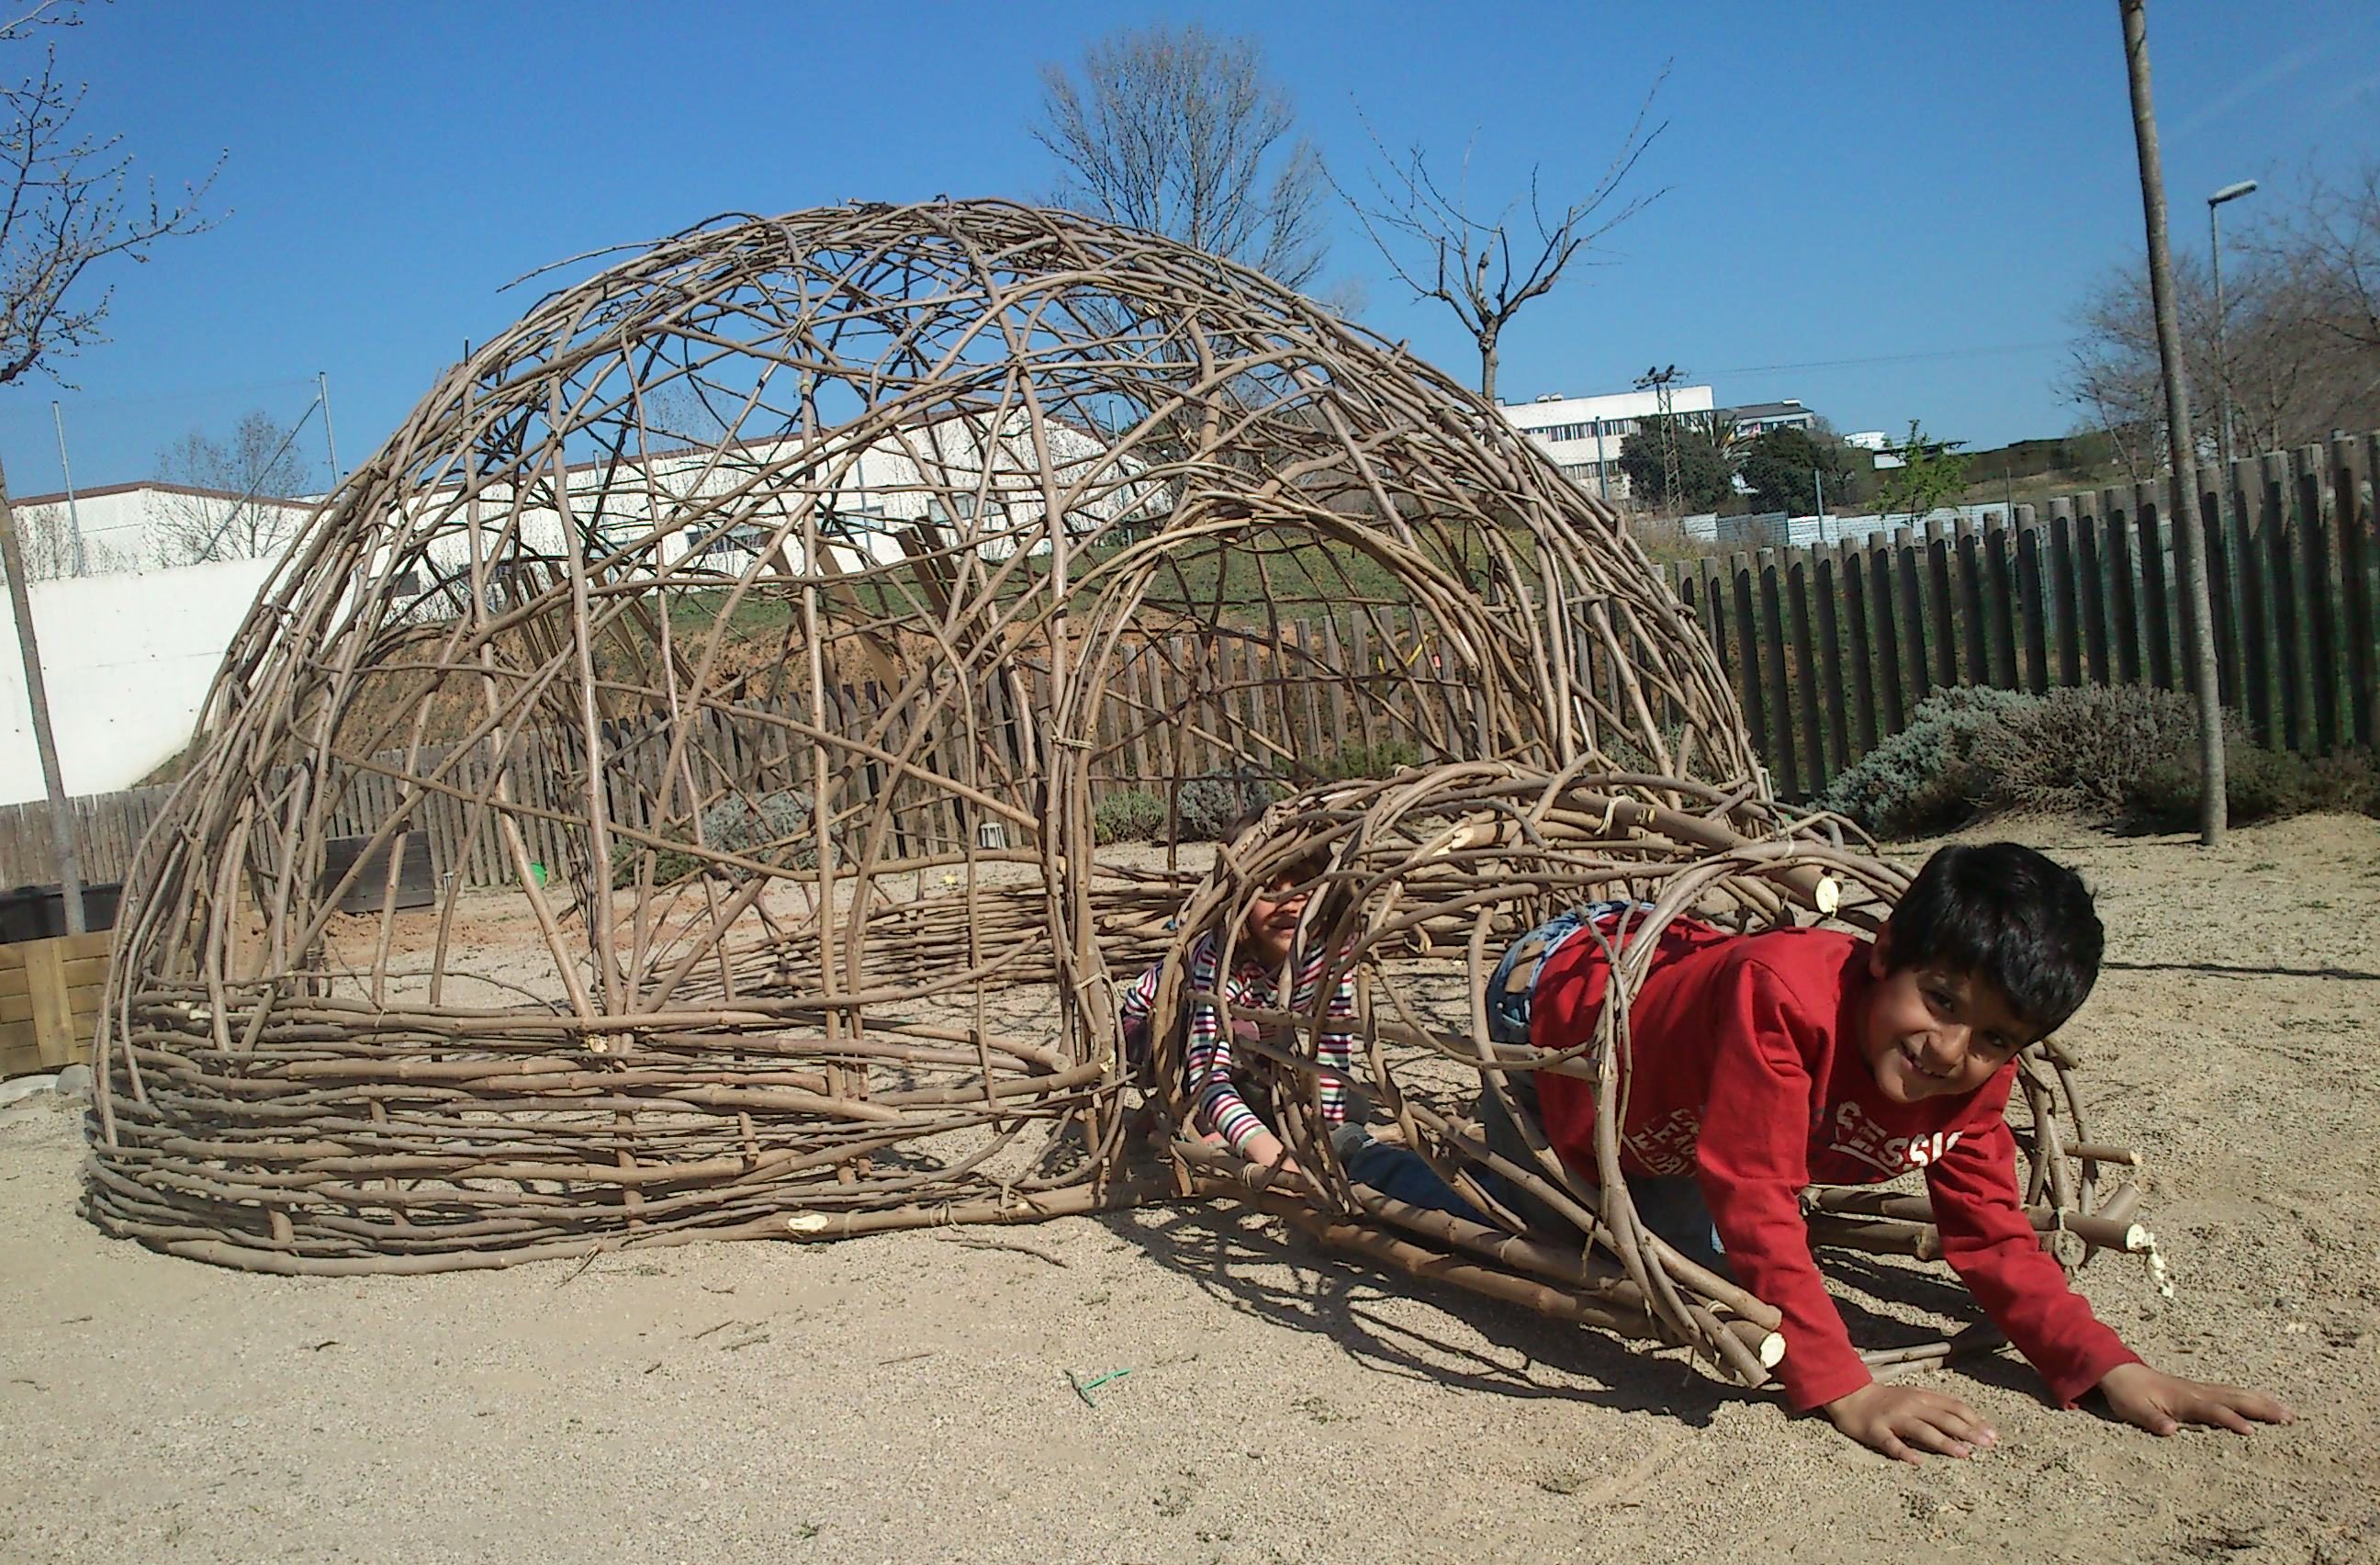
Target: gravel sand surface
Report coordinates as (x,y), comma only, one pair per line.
(907,1397)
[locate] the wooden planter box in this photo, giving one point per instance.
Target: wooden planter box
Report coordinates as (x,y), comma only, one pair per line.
(49,1000)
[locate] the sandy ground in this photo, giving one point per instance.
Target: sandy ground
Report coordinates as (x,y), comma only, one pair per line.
(907,1397)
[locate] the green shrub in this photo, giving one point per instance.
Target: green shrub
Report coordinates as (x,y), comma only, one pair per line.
(2258,784)
(670,865)
(1384,759)
(1213,805)
(2082,748)
(1629,753)
(2124,754)
(771,827)
(1925,779)
(1132,815)
(740,826)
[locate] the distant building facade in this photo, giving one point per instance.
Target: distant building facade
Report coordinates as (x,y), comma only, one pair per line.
(1756,418)
(1584,435)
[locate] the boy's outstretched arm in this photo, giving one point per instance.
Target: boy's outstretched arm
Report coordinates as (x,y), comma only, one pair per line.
(2161,1403)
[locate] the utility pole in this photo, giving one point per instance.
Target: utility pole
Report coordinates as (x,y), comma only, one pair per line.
(74,512)
(37,698)
(2197,611)
(1658,380)
(322,380)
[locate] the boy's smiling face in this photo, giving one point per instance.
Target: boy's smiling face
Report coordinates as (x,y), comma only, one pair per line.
(1931,1032)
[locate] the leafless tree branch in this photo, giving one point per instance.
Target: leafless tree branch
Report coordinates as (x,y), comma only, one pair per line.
(1434,245)
(258,463)
(65,209)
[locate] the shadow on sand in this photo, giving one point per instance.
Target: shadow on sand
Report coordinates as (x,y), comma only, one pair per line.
(1261,1268)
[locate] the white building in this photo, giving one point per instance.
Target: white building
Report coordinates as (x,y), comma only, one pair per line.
(1756,419)
(1583,434)
(150,526)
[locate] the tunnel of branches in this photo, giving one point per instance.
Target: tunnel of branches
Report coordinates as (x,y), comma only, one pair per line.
(663,793)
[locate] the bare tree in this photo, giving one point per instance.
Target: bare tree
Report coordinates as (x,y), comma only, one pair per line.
(2330,245)
(51,551)
(1433,244)
(233,516)
(66,213)
(1180,131)
(68,210)
(2299,352)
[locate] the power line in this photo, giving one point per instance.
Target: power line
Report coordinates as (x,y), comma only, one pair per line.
(86,404)
(1906,358)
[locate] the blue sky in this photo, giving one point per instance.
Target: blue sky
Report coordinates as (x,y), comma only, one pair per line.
(1900,203)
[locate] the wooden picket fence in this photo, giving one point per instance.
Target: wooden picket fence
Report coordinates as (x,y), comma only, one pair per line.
(1177,706)
(1830,649)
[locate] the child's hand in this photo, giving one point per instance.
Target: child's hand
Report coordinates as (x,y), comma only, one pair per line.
(1899,1420)
(1268,1151)
(2161,1403)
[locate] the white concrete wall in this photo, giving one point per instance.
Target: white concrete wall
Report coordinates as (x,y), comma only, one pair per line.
(136,527)
(126,659)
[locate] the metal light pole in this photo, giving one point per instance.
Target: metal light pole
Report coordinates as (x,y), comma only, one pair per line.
(323,379)
(2222,359)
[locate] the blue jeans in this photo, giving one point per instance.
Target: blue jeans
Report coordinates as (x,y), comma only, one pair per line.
(1669,1205)
(1399,1173)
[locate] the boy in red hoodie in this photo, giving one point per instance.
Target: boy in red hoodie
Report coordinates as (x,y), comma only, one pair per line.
(1764,1063)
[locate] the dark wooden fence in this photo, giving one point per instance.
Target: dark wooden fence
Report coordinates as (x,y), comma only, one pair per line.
(1830,649)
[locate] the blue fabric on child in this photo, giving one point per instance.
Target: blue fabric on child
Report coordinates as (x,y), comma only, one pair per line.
(1398,1172)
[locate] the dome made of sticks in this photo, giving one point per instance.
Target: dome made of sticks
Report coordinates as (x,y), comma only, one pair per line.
(664,792)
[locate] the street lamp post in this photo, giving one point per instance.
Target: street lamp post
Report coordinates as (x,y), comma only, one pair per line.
(2222,364)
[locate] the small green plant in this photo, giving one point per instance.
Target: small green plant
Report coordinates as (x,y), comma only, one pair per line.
(1210,807)
(1133,815)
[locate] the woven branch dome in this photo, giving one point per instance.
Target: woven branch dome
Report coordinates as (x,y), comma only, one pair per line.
(660,795)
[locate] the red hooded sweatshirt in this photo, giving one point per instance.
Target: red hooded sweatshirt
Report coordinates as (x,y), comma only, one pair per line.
(1747,1073)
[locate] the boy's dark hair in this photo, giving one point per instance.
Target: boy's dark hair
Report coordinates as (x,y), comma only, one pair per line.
(2006,914)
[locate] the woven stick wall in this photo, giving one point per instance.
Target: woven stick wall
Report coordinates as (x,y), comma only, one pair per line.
(765,611)
(1430,878)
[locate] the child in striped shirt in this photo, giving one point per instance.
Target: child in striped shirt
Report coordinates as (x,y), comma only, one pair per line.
(1219,1095)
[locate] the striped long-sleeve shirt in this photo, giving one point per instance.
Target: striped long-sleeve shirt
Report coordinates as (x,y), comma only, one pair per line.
(1214,1095)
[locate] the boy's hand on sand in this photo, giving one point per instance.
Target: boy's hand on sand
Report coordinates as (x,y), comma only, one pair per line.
(2161,1403)
(1904,1423)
